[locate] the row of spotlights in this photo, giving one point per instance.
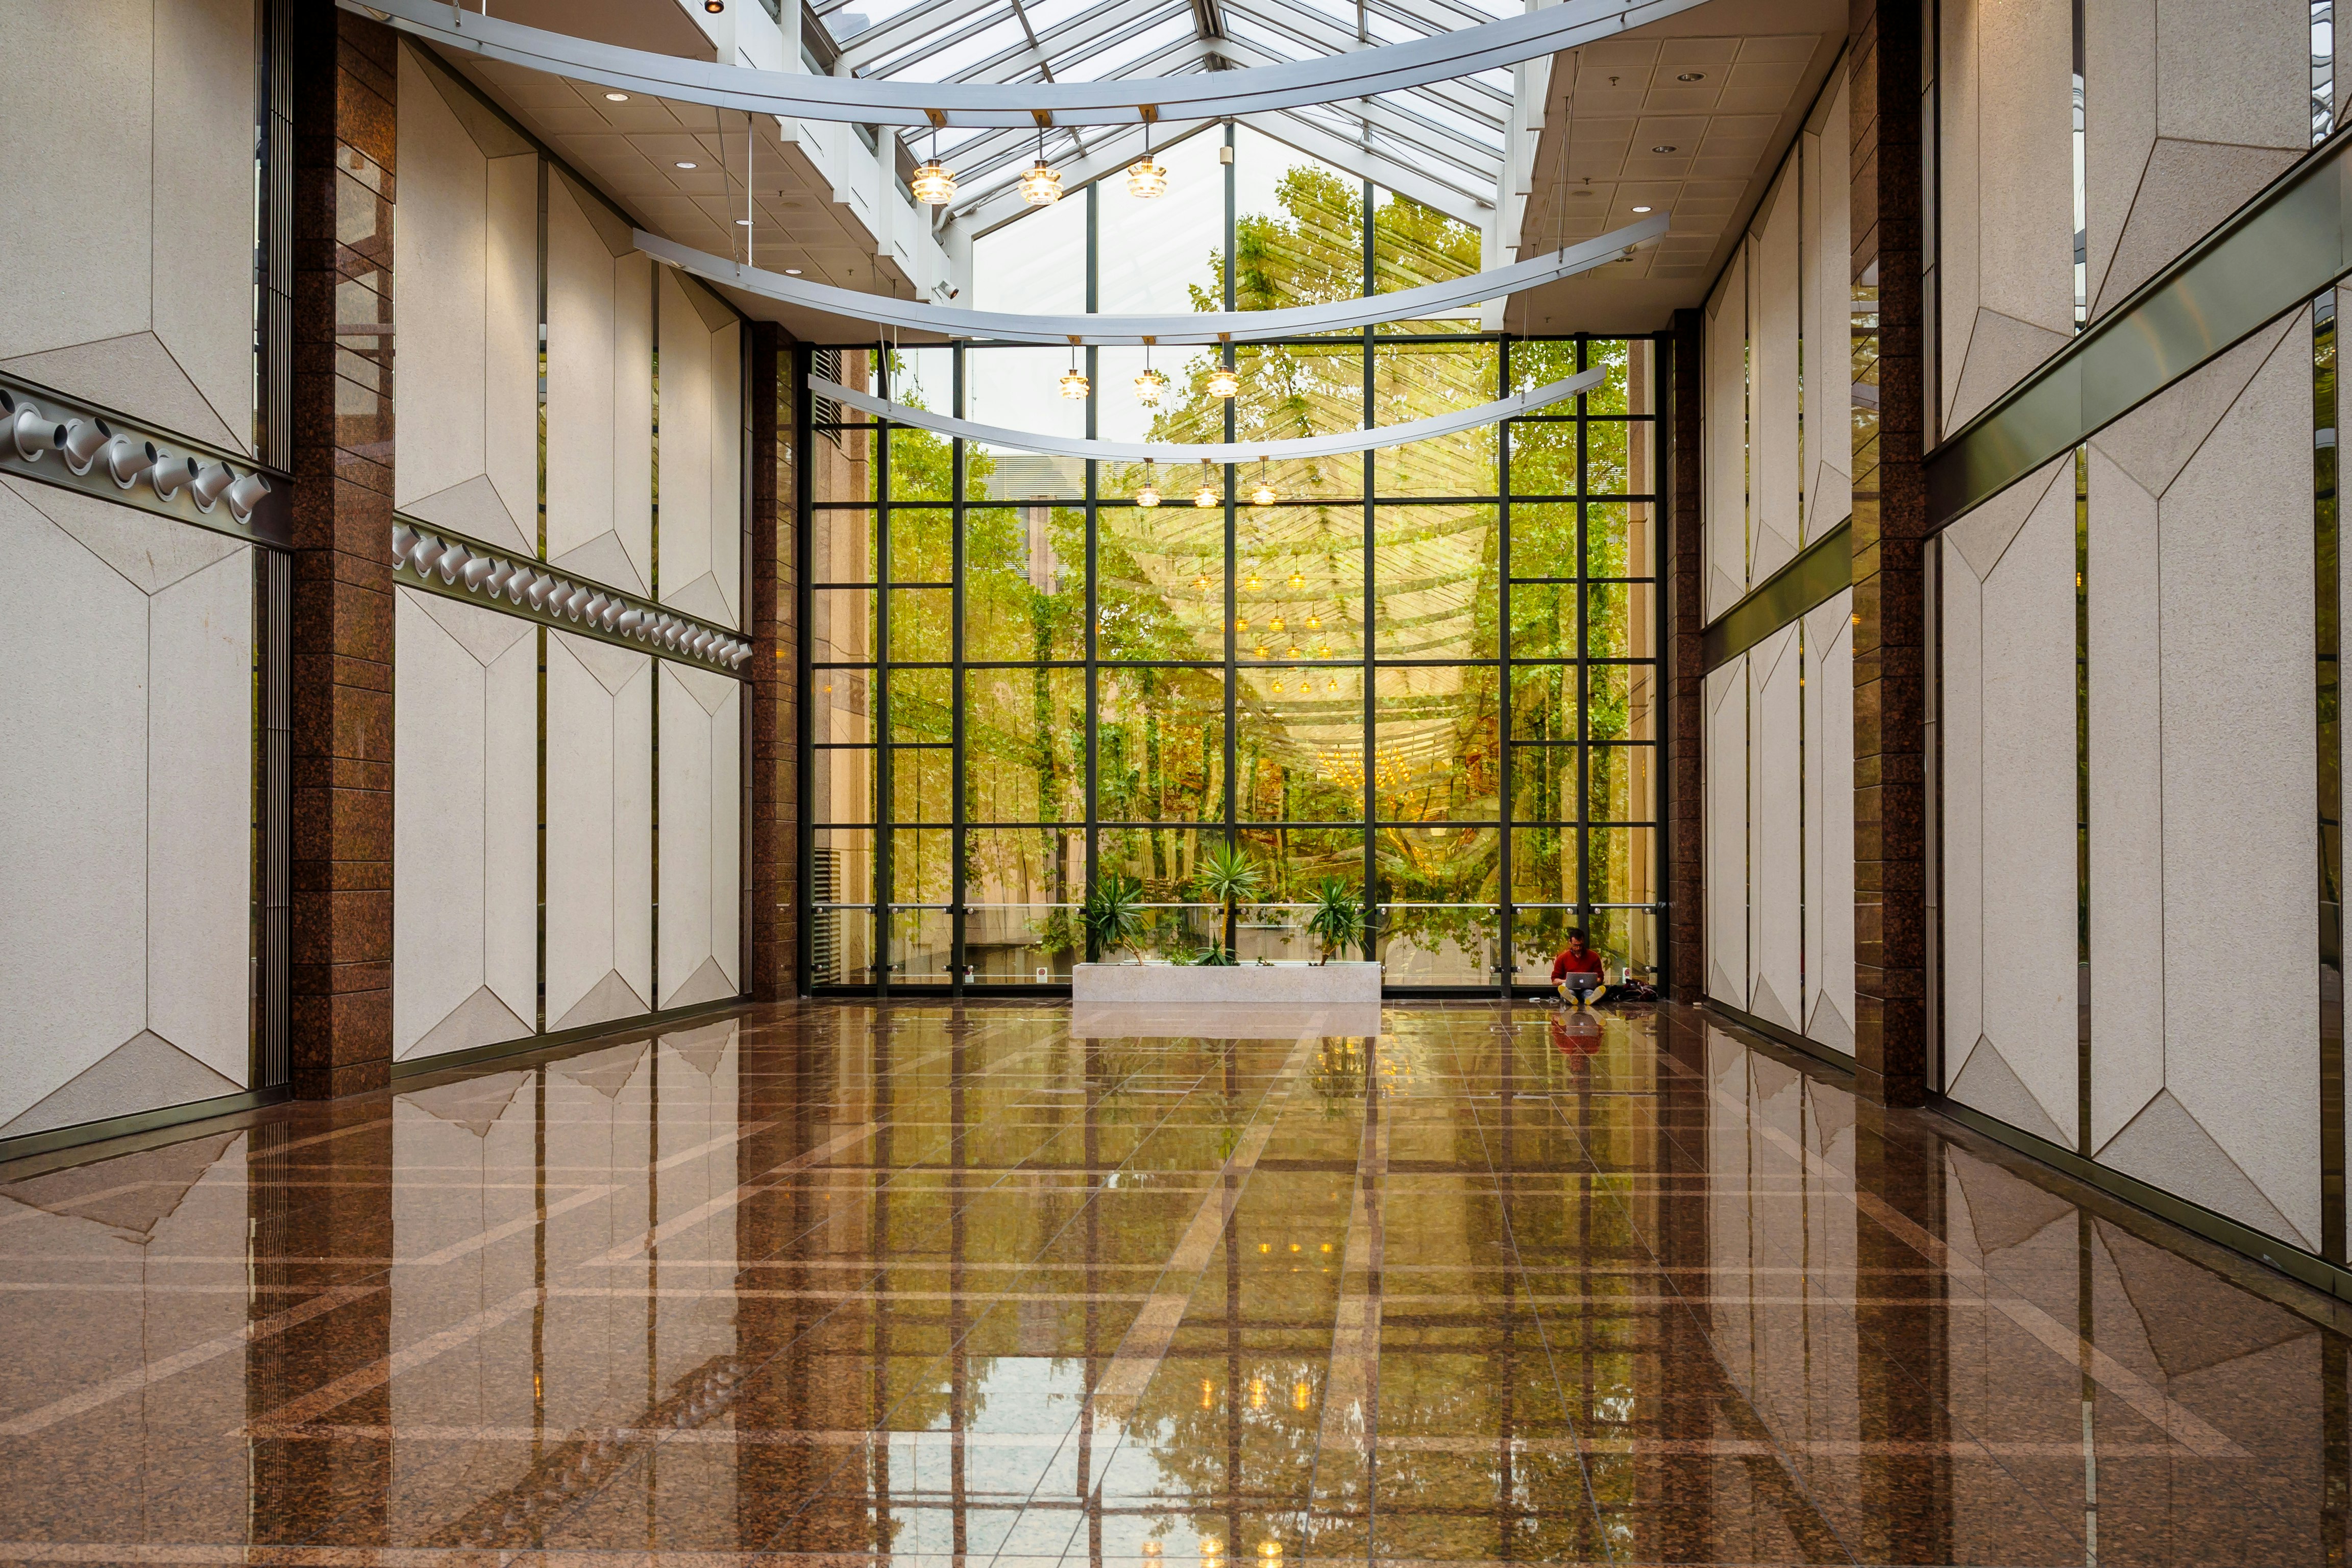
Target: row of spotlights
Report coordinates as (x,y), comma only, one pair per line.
(526,584)
(84,444)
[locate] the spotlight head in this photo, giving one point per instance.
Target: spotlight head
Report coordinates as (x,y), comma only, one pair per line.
(247,494)
(716,7)
(477,571)
(170,476)
(82,441)
(542,585)
(404,539)
(35,437)
(494,581)
(452,561)
(126,459)
(208,484)
(629,622)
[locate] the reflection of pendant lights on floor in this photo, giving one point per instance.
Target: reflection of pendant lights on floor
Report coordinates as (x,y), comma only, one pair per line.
(932,184)
(1264,494)
(1074,386)
(1206,495)
(1042,186)
(1150,494)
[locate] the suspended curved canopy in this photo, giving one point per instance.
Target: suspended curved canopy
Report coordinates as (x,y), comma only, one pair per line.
(1216,452)
(1114,101)
(1425,302)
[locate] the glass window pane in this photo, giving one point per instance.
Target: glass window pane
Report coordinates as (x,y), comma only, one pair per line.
(918,784)
(1544,783)
(1619,539)
(922,465)
(841,625)
(921,945)
(1621,702)
(1623,620)
(1544,698)
(1294,861)
(1417,381)
(841,544)
(1024,745)
(1299,588)
(1624,865)
(1435,596)
(1024,583)
(1543,459)
(842,706)
(1160,745)
(1618,458)
(1021,944)
(1186,225)
(841,465)
(923,706)
(1623,783)
(1037,262)
(1434,744)
(1543,863)
(1162,859)
(922,625)
(843,871)
(1021,389)
(1429,944)
(922,548)
(1540,360)
(1438,865)
(842,784)
(1290,391)
(1628,938)
(1161,576)
(1543,538)
(841,945)
(1300,747)
(1414,245)
(922,864)
(1632,384)
(1024,867)
(1540,935)
(1543,620)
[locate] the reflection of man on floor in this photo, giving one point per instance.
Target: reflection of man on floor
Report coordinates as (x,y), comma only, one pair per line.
(1577,972)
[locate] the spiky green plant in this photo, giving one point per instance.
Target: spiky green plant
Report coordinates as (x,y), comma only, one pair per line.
(1337,918)
(1228,875)
(1114,912)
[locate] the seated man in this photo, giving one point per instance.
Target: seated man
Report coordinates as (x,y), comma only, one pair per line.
(1578,972)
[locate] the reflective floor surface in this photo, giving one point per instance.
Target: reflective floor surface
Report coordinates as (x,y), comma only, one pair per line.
(951,1286)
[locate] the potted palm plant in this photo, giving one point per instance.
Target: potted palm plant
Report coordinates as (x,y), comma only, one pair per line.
(1228,875)
(1113,912)
(1335,918)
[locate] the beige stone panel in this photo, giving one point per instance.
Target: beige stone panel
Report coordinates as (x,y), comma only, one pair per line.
(1725,699)
(1989,1083)
(2126,741)
(2187,189)
(580,379)
(1726,440)
(1960,729)
(2001,351)
(151,553)
(632,410)
(599,826)
(200,812)
(2030,978)
(2241,1010)
(2155,441)
(144,1073)
(1829,310)
(2228,71)
(1829,823)
(727,435)
(438,295)
(685,436)
(76,245)
(685,787)
(73,840)
(1960,208)
(2026,142)
(203,199)
(510,341)
(510,822)
(1777,900)
(2167,1147)
(1777,501)
(2119,68)
(726,827)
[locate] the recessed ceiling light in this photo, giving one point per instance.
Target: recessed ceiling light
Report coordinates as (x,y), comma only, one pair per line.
(714,7)
(1667,147)
(1641,209)
(683,164)
(617,97)
(1692,76)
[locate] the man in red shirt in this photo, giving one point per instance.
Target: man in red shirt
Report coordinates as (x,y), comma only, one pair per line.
(1577,971)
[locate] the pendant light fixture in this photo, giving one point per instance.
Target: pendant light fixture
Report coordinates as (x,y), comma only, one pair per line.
(1151,385)
(1150,494)
(932,184)
(1146,177)
(1264,494)
(1074,386)
(1206,495)
(1223,382)
(1042,186)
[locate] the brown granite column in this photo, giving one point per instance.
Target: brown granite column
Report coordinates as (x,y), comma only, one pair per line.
(775,675)
(1903,1373)
(1889,534)
(1686,671)
(345,87)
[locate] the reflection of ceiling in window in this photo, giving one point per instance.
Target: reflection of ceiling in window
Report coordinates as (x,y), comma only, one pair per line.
(1442,143)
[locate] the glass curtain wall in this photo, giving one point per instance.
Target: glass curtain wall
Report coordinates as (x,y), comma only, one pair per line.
(1428,672)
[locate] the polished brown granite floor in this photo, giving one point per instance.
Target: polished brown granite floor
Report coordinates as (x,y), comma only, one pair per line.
(952,1286)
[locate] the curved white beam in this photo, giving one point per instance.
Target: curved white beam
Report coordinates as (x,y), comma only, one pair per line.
(1426,302)
(1114,101)
(1220,452)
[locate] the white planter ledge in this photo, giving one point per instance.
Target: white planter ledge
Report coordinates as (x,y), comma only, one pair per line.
(1247,1001)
